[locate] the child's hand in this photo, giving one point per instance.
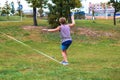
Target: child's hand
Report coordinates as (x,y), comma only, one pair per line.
(45,30)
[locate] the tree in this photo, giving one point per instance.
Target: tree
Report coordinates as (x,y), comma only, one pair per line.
(36,4)
(43,5)
(6,9)
(40,12)
(20,7)
(13,9)
(61,8)
(93,14)
(116,5)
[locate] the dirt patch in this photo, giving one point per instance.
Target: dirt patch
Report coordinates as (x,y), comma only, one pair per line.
(93,33)
(79,31)
(34,32)
(32,27)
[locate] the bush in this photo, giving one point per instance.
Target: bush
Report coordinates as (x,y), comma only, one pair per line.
(53,20)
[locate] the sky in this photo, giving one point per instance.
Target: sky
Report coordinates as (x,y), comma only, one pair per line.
(26,6)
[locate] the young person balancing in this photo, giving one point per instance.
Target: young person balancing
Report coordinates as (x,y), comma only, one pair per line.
(66,39)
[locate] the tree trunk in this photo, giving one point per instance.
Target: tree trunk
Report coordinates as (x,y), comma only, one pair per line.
(34,16)
(69,16)
(114,18)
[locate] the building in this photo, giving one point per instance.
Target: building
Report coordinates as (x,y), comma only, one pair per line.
(101,9)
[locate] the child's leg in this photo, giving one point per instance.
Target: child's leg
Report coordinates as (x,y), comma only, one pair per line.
(64,47)
(64,54)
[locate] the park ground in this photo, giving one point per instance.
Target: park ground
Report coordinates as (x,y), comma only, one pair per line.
(93,55)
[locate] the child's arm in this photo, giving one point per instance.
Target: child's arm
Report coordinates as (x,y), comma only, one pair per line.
(73,21)
(52,30)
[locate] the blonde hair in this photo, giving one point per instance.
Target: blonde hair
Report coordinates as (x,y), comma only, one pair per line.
(62,20)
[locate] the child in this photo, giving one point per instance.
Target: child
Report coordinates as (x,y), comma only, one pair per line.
(65,36)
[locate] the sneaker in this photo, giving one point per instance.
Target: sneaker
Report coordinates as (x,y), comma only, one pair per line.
(64,63)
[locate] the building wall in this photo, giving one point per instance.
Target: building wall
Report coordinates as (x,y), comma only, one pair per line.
(101,9)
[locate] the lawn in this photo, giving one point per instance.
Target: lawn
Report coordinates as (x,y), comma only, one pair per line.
(93,55)
(10,18)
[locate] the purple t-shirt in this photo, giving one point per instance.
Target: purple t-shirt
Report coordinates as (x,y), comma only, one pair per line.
(65,33)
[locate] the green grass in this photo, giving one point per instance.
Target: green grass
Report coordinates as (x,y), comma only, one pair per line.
(91,58)
(99,24)
(10,18)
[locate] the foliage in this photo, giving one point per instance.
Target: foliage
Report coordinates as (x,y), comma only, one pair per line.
(43,5)
(40,12)
(20,7)
(61,8)
(6,9)
(12,8)
(116,5)
(36,4)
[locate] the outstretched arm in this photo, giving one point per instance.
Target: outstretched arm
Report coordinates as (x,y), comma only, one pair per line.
(52,30)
